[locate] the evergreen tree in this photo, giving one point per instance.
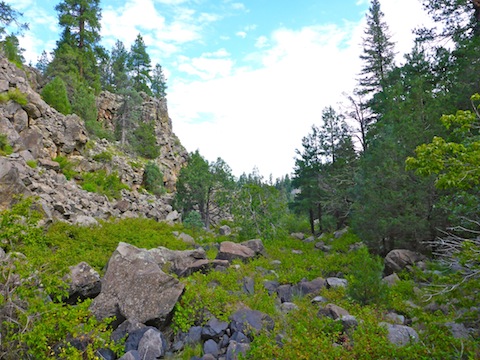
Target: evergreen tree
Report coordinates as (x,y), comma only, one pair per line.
(12,50)
(159,83)
(204,187)
(324,172)
(55,94)
(139,64)
(378,52)
(80,20)
(393,207)
(9,17)
(119,64)
(42,62)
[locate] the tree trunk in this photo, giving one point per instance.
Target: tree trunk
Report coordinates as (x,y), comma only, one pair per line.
(312,221)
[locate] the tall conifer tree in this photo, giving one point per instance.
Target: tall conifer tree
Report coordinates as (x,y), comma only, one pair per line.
(378,52)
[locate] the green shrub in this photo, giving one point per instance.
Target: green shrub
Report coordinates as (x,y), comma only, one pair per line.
(365,279)
(55,94)
(104,156)
(193,220)
(32,163)
(153,178)
(5,148)
(14,95)
(103,183)
(66,167)
(144,141)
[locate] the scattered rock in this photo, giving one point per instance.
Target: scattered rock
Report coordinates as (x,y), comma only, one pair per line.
(84,283)
(400,334)
(256,245)
(391,279)
(334,282)
(225,230)
(333,311)
(250,321)
(152,345)
(298,236)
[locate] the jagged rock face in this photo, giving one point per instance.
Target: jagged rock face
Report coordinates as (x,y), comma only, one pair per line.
(36,126)
(173,155)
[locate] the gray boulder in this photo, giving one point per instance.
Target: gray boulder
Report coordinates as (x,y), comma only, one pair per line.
(256,245)
(152,346)
(237,350)
(232,251)
(250,321)
(225,230)
(135,287)
(399,259)
(400,334)
(84,282)
(333,311)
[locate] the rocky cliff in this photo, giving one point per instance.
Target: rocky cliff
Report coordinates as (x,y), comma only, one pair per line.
(38,134)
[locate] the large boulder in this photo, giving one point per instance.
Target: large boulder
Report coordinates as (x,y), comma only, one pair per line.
(135,287)
(10,183)
(399,259)
(231,251)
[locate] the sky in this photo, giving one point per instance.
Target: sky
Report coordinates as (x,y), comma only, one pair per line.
(246,78)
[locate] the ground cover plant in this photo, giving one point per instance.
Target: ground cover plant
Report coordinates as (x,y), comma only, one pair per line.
(44,329)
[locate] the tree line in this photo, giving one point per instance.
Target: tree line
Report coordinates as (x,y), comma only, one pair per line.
(351,168)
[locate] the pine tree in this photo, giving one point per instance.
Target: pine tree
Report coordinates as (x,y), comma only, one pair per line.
(42,62)
(80,20)
(139,64)
(378,52)
(119,62)
(159,83)
(9,16)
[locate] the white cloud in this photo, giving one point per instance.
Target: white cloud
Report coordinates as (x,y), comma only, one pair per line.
(241,34)
(261,42)
(238,6)
(259,116)
(208,66)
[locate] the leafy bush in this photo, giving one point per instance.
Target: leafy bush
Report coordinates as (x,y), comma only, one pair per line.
(365,281)
(32,325)
(14,95)
(66,167)
(193,220)
(144,141)
(104,156)
(103,183)
(55,94)
(153,178)
(5,148)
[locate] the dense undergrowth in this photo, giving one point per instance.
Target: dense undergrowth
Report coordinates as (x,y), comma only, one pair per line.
(35,324)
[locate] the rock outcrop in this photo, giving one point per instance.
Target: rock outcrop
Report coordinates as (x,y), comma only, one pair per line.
(173,155)
(38,133)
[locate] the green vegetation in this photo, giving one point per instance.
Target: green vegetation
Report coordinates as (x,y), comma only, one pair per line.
(66,167)
(55,94)
(104,156)
(5,148)
(14,95)
(153,179)
(103,183)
